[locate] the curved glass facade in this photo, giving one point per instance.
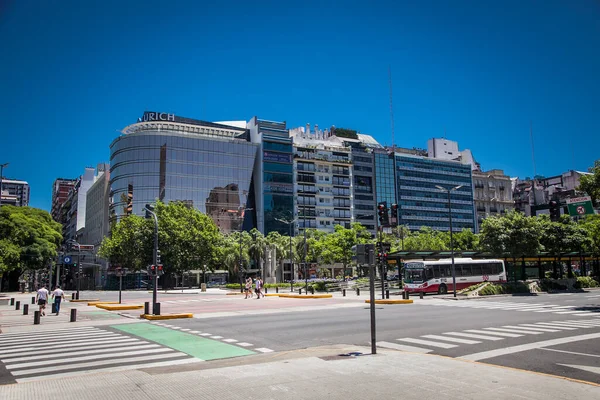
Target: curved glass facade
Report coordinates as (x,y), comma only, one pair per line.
(209,173)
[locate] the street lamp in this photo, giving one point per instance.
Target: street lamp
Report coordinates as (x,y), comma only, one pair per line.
(241,230)
(79,269)
(1,178)
(451,239)
(150,210)
(291,224)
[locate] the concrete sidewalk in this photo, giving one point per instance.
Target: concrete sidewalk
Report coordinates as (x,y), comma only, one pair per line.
(388,375)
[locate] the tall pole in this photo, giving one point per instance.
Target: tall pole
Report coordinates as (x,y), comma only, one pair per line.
(154,262)
(304,255)
(372,267)
(1,179)
(451,245)
(79,269)
(291,260)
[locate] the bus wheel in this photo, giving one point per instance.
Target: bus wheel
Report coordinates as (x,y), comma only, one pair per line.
(442,289)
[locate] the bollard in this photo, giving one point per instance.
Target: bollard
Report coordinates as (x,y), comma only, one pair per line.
(53,308)
(32,299)
(407,295)
(266,290)
(25,309)
(312,290)
(147,308)
(18,305)
(157,309)
(12,301)
(277,289)
(387,293)
(72,296)
(421,295)
(300,291)
(76,296)
(73,315)
(36,317)
(358,291)
(344,292)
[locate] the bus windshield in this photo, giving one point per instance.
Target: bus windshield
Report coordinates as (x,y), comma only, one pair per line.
(413,272)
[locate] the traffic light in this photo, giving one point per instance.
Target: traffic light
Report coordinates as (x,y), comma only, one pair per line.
(554,210)
(152,269)
(394,215)
(157,256)
(382,211)
(160,270)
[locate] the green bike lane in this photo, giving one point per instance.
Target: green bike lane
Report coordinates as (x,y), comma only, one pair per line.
(188,343)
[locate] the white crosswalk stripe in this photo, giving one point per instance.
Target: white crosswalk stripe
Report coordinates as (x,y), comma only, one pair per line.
(503,305)
(66,352)
(447,340)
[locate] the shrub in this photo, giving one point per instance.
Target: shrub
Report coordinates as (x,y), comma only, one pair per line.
(549,284)
(504,288)
(586,282)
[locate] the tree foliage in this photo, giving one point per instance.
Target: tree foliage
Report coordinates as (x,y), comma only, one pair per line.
(512,234)
(130,244)
(30,238)
(590,184)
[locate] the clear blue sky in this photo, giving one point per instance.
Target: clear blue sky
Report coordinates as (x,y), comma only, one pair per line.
(74,73)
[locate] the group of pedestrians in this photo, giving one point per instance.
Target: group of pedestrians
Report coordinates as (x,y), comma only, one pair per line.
(43,295)
(258,288)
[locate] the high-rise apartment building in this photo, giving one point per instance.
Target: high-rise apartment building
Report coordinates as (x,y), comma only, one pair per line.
(165,157)
(72,214)
(14,193)
(60,191)
(492,194)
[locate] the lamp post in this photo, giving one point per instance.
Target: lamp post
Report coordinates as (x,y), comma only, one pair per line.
(243,212)
(150,210)
(79,269)
(451,239)
(291,224)
(1,178)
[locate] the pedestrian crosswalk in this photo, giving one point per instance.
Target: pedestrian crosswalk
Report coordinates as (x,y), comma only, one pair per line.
(79,350)
(451,340)
(512,306)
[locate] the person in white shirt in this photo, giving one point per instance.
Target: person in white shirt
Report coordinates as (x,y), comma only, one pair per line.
(42,298)
(59,295)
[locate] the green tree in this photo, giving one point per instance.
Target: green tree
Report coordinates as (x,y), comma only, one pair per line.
(130,244)
(426,239)
(257,249)
(513,235)
(188,238)
(590,184)
(33,232)
(465,240)
(338,245)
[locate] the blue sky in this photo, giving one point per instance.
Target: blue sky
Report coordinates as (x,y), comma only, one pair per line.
(73,74)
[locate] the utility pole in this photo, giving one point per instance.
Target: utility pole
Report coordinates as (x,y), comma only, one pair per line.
(150,210)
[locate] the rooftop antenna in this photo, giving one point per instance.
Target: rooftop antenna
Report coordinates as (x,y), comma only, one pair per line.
(532,148)
(391,109)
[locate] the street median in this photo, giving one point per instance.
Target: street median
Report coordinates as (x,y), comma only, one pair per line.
(304,296)
(83,300)
(391,301)
(119,307)
(95,303)
(152,317)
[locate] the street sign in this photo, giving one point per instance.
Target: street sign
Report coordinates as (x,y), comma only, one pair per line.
(580,206)
(67,260)
(86,247)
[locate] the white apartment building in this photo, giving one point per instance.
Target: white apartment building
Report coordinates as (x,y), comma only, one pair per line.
(492,194)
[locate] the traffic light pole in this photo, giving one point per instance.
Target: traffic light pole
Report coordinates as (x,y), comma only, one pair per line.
(154,260)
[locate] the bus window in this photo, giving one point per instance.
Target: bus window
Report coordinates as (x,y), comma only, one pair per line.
(476,270)
(488,269)
(429,273)
(466,270)
(436,271)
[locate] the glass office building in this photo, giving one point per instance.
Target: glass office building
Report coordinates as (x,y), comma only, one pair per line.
(421,203)
(164,157)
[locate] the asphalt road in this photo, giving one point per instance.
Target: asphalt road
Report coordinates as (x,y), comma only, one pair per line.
(550,333)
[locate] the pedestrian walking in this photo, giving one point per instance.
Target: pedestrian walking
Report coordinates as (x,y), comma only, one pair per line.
(42,299)
(259,286)
(249,287)
(58,295)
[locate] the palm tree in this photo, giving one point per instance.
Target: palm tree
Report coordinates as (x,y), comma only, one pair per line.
(257,247)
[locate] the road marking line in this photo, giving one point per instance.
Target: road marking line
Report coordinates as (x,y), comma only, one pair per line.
(586,321)
(206,334)
(174,327)
(512,335)
(472,335)
(576,325)
(44,342)
(402,347)
(428,343)
(185,329)
(11,342)
(529,346)
(216,337)
(47,332)
(517,331)
(582,314)
(587,368)
(557,326)
(244,344)
(264,350)
(230,340)
(532,327)
(194,332)
(455,340)
(106,350)
(41,348)
(71,360)
(572,312)
(571,352)
(54,368)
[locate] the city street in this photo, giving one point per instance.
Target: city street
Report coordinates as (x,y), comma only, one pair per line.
(556,334)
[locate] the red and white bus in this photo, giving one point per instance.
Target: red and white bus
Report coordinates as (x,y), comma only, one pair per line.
(436,276)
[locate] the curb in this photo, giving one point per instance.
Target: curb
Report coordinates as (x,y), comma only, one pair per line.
(94,303)
(83,300)
(119,307)
(391,301)
(166,316)
(310,296)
